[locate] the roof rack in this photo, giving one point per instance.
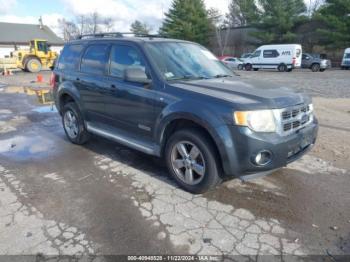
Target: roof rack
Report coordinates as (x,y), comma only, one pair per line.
(117,34)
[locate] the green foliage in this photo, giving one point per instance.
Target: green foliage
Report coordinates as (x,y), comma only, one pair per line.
(277,20)
(139,28)
(336,16)
(188,20)
(242,13)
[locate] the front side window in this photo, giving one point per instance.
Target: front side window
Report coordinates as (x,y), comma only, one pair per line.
(95,59)
(256,54)
(42,46)
(123,57)
(178,60)
(69,59)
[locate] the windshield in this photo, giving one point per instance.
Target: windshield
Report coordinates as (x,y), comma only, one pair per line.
(347,56)
(186,61)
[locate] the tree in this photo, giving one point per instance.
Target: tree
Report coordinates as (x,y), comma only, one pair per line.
(188,20)
(139,28)
(277,20)
(313,6)
(221,32)
(94,22)
(336,16)
(69,29)
(108,24)
(242,13)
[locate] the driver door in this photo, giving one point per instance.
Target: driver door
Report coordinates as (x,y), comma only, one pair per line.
(129,106)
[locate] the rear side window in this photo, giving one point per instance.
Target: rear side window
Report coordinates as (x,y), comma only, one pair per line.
(69,59)
(123,57)
(95,59)
(230,59)
(271,53)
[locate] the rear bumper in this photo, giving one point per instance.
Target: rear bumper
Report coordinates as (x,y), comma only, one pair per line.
(243,145)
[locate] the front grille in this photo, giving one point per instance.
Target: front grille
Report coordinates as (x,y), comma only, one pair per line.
(295,118)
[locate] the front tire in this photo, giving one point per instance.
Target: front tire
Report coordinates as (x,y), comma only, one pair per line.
(73,124)
(192,162)
(315,68)
(33,65)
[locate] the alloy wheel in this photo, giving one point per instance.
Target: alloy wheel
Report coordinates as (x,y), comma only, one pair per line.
(188,162)
(71,124)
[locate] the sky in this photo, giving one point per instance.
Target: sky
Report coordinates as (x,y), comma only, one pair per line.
(123,12)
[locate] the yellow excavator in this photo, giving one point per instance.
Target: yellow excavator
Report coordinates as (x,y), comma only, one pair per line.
(38,57)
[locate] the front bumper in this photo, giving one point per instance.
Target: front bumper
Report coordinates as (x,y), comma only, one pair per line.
(326,66)
(244,145)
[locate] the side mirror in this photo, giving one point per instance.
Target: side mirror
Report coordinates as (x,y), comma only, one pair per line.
(136,75)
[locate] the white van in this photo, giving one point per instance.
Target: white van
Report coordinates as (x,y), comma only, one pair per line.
(345,64)
(281,57)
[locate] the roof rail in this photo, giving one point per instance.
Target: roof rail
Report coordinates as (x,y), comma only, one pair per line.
(117,34)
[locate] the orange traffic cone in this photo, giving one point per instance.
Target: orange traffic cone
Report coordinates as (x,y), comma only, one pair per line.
(39,78)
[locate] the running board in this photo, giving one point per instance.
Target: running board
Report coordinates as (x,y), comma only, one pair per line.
(123,139)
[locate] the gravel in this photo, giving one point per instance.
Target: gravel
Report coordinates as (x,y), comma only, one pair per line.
(329,84)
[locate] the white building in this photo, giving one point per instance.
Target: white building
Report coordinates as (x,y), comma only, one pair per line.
(19,35)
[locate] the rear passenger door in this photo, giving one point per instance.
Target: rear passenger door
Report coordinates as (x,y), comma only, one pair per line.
(130,105)
(92,81)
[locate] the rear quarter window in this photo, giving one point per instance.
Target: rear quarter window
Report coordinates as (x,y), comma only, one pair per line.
(69,59)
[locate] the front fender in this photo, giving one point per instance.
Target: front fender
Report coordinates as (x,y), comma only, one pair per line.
(204,116)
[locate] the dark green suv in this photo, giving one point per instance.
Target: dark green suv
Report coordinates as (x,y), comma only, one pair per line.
(174,99)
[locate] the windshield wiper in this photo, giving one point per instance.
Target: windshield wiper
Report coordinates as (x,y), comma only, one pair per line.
(222,76)
(189,77)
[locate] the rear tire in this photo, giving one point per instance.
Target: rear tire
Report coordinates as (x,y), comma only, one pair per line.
(33,65)
(192,162)
(315,68)
(73,124)
(282,68)
(240,67)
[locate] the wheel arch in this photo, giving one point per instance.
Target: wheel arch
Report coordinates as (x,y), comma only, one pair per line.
(182,121)
(26,58)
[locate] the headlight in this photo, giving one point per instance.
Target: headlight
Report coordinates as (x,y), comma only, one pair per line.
(258,121)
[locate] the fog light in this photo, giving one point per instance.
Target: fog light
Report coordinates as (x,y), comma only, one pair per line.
(263,158)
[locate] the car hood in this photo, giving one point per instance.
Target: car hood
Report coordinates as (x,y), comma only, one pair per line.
(249,94)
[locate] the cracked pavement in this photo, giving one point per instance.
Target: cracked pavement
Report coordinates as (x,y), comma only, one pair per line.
(105,199)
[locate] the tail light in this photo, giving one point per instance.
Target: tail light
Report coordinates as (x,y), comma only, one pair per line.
(52,80)
(294,61)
